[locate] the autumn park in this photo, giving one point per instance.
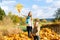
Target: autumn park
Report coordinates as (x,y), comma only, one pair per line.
(14,27)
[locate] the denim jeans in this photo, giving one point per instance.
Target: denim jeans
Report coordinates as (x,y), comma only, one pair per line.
(36,38)
(29,30)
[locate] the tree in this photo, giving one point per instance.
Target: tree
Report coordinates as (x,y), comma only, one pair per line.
(57,15)
(2,13)
(22,20)
(10,14)
(15,19)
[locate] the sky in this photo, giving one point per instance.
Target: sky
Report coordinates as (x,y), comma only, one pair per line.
(40,8)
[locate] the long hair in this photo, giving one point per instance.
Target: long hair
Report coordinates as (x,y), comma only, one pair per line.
(29,14)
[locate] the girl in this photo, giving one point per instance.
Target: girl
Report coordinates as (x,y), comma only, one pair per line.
(36,30)
(29,23)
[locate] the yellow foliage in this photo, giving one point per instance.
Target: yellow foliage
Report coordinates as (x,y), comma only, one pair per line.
(19,7)
(45,34)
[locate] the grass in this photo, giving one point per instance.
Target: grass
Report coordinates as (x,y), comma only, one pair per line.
(22,27)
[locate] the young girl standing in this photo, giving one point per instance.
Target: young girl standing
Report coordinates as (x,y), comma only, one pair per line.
(36,30)
(29,23)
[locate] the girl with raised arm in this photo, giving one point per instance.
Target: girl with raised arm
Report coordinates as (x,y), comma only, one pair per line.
(29,23)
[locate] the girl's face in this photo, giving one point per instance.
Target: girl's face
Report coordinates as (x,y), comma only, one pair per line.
(30,14)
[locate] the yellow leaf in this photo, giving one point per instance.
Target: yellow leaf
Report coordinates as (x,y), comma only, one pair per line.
(19,7)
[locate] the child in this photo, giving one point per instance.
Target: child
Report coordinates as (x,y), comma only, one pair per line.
(36,30)
(29,23)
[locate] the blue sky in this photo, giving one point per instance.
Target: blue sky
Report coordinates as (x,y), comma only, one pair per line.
(39,8)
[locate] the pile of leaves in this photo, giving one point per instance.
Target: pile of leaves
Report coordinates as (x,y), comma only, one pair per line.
(45,34)
(48,34)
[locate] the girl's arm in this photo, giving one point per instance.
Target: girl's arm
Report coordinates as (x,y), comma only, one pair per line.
(32,22)
(24,15)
